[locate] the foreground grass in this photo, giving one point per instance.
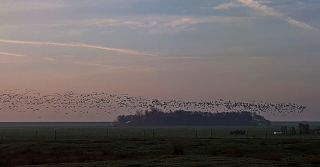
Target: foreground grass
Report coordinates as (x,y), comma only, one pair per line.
(174,161)
(161,152)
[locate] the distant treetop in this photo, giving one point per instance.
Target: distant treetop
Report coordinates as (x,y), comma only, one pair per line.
(156,117)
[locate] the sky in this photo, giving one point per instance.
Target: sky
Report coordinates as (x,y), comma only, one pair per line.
(249,50)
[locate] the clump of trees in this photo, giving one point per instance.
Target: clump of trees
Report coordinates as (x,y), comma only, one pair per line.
(156,117)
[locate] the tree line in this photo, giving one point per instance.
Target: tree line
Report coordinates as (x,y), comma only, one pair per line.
(155,117)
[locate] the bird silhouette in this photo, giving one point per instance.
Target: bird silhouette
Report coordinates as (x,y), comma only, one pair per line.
(72,102)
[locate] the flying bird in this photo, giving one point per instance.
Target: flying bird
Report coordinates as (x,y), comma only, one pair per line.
(85,103)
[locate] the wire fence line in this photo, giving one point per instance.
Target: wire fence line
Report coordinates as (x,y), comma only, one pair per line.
(101,133)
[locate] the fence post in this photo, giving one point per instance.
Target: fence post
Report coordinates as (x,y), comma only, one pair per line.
(211,132)
(196,133)
(55,134)
(266,135)
(37,136)
(144,133)
(153,133)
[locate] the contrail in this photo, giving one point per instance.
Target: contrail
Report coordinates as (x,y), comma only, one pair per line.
(12,54)
(268,11)
(78,45)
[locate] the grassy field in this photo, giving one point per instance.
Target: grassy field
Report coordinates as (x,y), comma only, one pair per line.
(157,146)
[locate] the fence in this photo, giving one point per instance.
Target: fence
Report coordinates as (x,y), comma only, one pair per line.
(101,133)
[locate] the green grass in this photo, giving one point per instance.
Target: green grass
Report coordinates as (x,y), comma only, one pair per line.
(75,133)
(161,146)
(122,152)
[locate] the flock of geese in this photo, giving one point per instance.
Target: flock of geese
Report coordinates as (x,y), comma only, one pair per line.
(72,102)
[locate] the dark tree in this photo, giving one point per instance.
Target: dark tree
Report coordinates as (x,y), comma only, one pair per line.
(155,117)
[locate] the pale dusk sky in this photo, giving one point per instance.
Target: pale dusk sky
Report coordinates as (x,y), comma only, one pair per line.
(250,50)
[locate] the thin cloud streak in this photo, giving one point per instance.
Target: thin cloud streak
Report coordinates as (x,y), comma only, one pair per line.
(268,11)
(50,59)
(78,45)
(227,6)
(151,24)
(82,45)
(12,54)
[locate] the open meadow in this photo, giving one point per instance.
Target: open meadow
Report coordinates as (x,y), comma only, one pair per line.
(98,144)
